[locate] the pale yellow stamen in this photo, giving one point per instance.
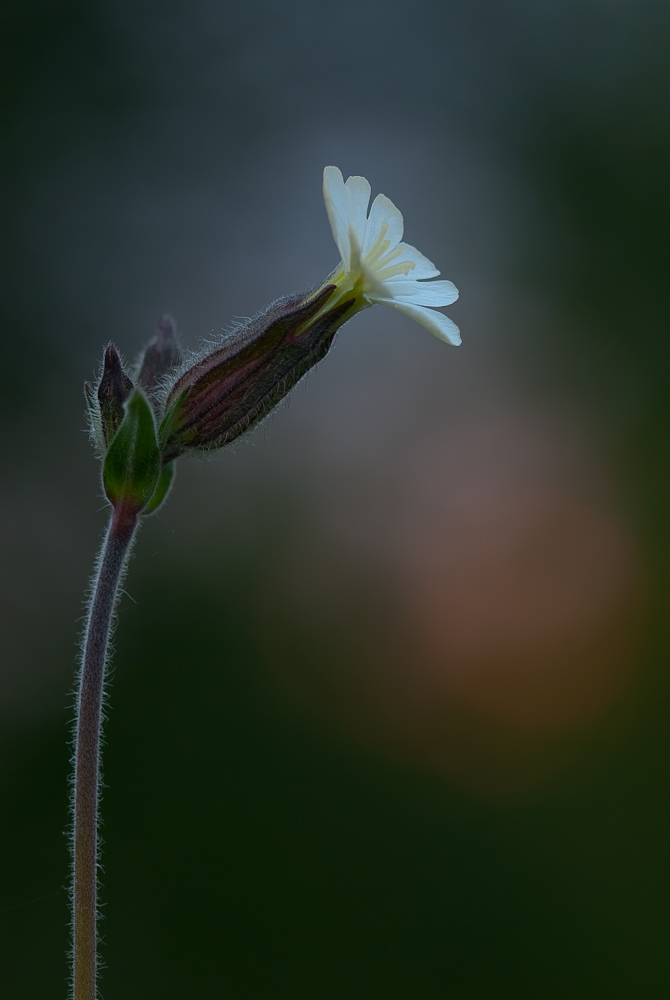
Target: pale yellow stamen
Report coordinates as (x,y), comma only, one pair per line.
(392,256)
(376,257)
(402,267)
(379,247)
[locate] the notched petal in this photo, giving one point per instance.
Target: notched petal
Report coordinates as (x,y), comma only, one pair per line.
(422,293)
(337,199)
(383,211)
(358,190)
(435,322)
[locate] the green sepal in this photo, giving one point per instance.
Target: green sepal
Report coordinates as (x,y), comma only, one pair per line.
(132,465)
(162,489)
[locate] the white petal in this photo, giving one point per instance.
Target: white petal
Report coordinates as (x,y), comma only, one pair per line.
(337,201)
(422,293)
(435,322)
(383,210)
(358,189)
(423,268)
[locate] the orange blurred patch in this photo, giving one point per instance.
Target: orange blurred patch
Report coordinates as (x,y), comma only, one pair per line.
(522,585)
(479,620)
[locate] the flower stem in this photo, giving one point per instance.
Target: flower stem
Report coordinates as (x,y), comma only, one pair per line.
(105,590)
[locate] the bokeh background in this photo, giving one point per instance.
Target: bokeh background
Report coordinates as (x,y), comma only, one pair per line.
(391,700)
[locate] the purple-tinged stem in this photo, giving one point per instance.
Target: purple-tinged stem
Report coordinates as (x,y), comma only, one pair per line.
(105,591)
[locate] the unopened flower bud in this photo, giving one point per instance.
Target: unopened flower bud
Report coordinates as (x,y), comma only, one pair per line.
(234,386)
(160,357)
(113,390)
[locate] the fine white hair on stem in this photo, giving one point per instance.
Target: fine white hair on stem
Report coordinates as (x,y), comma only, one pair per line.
(104,591)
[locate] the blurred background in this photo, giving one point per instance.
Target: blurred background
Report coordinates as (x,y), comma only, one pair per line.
(390,710)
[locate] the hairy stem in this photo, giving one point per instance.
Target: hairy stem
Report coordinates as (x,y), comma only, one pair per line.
(109,572)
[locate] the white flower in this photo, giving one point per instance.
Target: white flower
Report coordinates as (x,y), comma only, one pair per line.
(376,266)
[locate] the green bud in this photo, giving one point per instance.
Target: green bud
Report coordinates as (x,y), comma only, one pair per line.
(160,356)
(132,465)
(113,390)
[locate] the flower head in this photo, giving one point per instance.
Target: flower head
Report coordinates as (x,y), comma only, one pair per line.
(376,266)
(171,407)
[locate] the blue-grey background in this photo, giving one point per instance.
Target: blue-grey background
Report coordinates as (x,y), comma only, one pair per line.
(390,708)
